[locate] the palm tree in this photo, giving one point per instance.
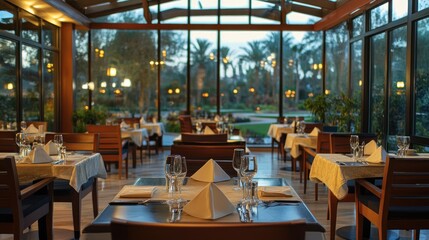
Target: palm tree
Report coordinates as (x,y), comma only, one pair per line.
(225,54)
(254,54)
(199,60)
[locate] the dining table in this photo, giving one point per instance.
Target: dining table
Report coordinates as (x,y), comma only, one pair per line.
(77,168)
(157,211)
(153,128)
(276,130)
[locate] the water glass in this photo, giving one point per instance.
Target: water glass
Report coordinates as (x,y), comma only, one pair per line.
(58,140)
(63,152)
(360,153)
(236,162)
(199,127)
(248,169)
(354,144)
(23,126)
(181,176)
(20,141)
(400,145)
(219,127)
(172,169)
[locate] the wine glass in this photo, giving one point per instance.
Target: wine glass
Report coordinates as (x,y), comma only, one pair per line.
(302,127)
(23,125)
(400,144)
(231,128)
(181,176)
(199,127)
(405,144)
(248,169)
(172,169)
(236,162)
(354,144)
(219,127)
(20,141)
(58,140)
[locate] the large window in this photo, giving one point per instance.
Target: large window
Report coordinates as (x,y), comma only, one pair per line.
(356,82)
(421,100)
(50,73)
(8,82)
(30,83)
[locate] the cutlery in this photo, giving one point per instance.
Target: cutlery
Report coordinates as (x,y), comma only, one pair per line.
(240,213)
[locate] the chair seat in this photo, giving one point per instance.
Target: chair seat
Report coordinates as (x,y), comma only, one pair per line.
(29,205)
(63,188)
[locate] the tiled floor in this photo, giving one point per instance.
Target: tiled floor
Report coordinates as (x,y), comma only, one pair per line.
(269,166)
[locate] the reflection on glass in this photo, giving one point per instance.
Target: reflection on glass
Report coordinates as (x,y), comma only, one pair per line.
(50,76)
(422,79)
(264,12)
(30,26)
(422,4)
(358,26)
(7,18)
(399,9)
(30,83)
(300,18)
(132,16)
(80,92)
(377,78)
(49,32)
(356,81)
(8,82)
(379,16)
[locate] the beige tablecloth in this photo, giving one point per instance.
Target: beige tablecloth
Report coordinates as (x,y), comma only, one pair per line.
(77,169)
(294,140)
(153,128)
(136,135)
(325,169)
(276,130)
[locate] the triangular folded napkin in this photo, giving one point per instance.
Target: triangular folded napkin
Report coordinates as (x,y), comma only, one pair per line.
(210,172)
(293,124)
(31,129)
(137,192)
(275,192)
(142,121)
(51,148)
(378,156)
(370,147)
(124,125)
(210,203)
(314,132)
(37,155)
(208,130)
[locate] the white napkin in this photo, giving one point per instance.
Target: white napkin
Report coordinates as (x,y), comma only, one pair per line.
(208,130)
(293,123)
(314,132)
(31,129)
(274,192)
(124,125)
(378,156)
(370,147)
(210,203)
(51,148)
(131,191)
(154,120)
(37,155)
(210,172)
(142,121)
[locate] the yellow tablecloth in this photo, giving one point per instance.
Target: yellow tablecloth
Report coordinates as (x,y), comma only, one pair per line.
(275,131)
(294,140)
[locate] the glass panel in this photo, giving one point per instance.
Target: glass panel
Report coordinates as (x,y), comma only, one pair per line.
(356,82)
(358,26)
(422,80)
(234,12)
(399,9)
(377,78)
(204,11)
(81,87)
(7,18)
(133,16)
(8,81)
(422,4)
(174,12)
(125,78)
(337,60)
(203,72)
(173,77)
(30,27)
(50,77)
(50,34)
(30,83)
(264,12)
(300,18)
(397,99)
(379,16)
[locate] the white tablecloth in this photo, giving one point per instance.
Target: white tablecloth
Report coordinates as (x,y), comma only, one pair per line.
(153,128)
(294,140)
(136,135)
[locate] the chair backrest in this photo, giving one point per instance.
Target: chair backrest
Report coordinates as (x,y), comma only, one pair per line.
(87,142)
(310,126)
(9,188)
(405,186)
(204,138)
(281,120)
(207,151)
(323,142)
(185,123)
(340,142)
(7,140)
(110,142)
(37,124)
(122,229)
(131,121)
(211,125)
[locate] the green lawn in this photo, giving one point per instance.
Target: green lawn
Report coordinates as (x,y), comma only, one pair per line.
(259,129)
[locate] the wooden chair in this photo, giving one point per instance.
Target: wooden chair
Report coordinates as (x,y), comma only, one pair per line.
(122,229)
(280,120)
(402,203)
(8,143)
(323,146)
(21,208)
(340,143)
(63,192)
(111,146)
(204,138)
(310,126)
(185,124)
(37,124)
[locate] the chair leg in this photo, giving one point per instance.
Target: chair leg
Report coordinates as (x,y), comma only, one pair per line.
(95,198)
(332,207)
(272,146)
(76,211)
(316,191)
(359,223)
(305,177)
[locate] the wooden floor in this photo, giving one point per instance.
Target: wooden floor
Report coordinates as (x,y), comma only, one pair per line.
(269,166)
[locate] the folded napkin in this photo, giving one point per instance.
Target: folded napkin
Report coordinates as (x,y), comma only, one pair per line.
(137,191)
(210,172)
(31,129)
(136,125)
(293,123)
(210,203)
(37,155)
(370,147)
(142,121)
(154,120)
(208,130)
(124,125)
(274,192)
(51,148)
(378,156)
(314,132)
